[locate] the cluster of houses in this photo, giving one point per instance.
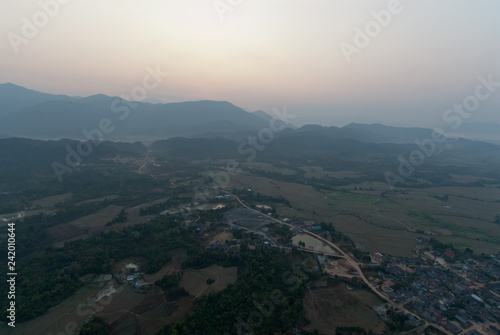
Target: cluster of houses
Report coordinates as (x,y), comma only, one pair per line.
(246,218)
(455,296)
(249,238)
(198,227)
(301,225)
(132,276)
(383,312)
(449,297)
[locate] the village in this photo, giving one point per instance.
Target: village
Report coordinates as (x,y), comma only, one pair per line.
(456,296)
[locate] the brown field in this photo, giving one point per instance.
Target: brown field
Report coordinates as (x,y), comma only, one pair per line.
(151,315)
(174,266)
(96,223)
(269,167)
(124,309)
(331,307)
(223,237)
(481,193)
(107,197)
(369,187)
(312,243)
(194,281)
(454,206)
(49,202)
(477,246)
(461,178)
(76,309)
(373,223)
(376,239)
(135,209)
(56,318)
(338,267)
(319,172)
(84,226)
(383,224)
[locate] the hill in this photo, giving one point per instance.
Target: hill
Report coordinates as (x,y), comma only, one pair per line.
(34,114)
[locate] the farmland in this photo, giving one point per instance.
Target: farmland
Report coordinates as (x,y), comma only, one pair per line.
(389,222)
(333,306)
(196,246)
(195,281)
(312,243)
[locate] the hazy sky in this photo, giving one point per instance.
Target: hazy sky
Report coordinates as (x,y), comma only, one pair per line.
(264,54)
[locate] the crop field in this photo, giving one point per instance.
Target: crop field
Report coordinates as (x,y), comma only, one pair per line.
(312,243)
(96,223)
(174,266)
(152,320)
(73,311)
(195,281)
(107,197)
(146,316)
(480,193)
(319,172)
(49,202)
(269,168)
(335,306)
(125,309)
(464,179)
(79,228)
(390,222)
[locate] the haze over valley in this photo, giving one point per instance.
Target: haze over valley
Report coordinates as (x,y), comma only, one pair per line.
(250,167)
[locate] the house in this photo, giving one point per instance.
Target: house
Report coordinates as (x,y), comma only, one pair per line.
(388,283)
(473,332)
(461,320)
(476,297)
(449,254)
(213,243)
(132,266)
(452,328)
(376,258)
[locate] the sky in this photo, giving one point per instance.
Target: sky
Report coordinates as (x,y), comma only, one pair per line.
(329,62)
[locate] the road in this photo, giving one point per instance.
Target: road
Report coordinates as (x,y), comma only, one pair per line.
(147,159)
(351,262)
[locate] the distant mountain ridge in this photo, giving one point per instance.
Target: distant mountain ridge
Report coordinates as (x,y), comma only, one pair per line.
(28,113)
(370,133)
(489,132)
(32,114)
(14,98)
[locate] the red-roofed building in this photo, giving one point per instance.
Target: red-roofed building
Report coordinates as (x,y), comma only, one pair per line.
(449,254)
(388,283)
(407,269)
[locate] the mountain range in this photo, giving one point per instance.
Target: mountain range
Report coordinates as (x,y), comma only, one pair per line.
(28,113)
(32,114)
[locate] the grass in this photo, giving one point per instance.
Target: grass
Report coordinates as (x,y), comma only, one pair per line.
(388,222)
